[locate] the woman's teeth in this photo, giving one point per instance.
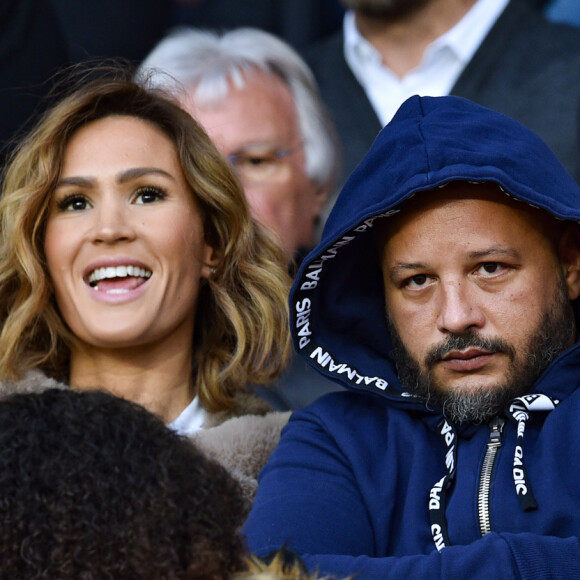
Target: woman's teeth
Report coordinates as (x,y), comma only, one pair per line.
(111,272)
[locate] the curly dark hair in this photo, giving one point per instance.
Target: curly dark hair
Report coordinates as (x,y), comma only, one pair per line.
(93,486)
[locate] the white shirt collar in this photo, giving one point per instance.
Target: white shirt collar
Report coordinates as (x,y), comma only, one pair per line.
(468,34)
(443,62)
(190,420)
(464,38)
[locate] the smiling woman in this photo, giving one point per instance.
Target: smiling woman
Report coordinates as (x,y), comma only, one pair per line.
(125,247)
(129,263)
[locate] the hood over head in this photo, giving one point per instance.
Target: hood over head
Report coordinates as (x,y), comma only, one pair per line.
(337,305)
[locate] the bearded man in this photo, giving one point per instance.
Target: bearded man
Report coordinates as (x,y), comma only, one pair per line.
(444,296)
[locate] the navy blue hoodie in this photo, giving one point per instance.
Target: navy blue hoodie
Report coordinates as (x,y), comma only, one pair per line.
(371,482)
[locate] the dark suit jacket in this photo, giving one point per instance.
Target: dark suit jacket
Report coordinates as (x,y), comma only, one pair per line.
(526,68)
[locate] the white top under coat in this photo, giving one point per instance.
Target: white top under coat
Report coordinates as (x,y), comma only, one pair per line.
(190,420)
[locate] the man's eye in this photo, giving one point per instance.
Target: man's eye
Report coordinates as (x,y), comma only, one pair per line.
(74,202)
(256,161)
(490,267)
(417,281)
(147,195)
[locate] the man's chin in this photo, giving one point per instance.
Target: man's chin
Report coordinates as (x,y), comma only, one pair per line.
(472,399)
(468,391)
(472,403)
(444,381)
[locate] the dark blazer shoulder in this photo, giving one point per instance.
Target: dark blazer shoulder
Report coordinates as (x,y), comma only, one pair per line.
(529,68)
(521,44)
(356,121)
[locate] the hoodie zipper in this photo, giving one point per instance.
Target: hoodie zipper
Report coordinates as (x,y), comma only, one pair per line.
(493,445)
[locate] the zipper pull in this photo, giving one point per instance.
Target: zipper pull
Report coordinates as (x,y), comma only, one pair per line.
(485,477)
(496,429)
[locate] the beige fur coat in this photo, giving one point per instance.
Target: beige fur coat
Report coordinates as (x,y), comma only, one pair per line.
(241,439)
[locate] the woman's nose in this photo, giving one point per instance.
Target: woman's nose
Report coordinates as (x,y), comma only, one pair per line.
(112,224)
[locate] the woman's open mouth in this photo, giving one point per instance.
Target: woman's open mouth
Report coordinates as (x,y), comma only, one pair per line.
(118,279)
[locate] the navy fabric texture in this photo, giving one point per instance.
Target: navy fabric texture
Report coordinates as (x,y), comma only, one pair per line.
(350,485)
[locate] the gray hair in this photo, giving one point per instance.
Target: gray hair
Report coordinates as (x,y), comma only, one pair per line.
(189,56)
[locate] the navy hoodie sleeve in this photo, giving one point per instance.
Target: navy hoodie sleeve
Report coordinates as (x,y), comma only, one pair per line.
(308,500)
(524,556)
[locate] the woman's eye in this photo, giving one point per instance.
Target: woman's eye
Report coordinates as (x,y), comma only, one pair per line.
(147,195)
(73,202)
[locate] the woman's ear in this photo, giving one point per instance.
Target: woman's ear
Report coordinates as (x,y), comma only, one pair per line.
(569,254)
(211,259)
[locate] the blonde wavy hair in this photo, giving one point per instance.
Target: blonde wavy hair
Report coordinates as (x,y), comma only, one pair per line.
(241,333)
(283,566)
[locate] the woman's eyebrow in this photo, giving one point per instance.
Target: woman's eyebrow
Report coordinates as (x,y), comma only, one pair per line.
(122,177)
(78,180)
(136,172)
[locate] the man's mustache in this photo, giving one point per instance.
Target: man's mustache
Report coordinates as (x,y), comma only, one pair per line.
(464,341)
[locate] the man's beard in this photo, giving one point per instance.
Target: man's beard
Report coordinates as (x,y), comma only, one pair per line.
(554,334)
(385,9)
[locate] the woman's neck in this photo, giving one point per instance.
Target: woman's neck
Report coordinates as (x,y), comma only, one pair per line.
(152,377)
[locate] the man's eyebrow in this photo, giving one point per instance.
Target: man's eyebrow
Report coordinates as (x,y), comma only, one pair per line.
(122,177)
(401,268)
(259,145)
(495,253)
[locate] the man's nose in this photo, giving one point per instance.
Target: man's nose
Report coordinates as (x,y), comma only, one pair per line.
(459,311)
(112,223)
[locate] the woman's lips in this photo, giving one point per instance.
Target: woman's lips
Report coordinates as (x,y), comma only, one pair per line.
(118,295)
(116,280)
(119,285)
(468,360)
(118,290)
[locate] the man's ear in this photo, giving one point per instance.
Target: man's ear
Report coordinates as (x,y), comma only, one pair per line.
(569,253)
(319,198)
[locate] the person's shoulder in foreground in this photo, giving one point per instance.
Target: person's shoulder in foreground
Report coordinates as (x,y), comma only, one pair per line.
(444,295)
(94,486)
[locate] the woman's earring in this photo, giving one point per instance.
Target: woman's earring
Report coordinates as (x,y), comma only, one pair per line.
(212,270)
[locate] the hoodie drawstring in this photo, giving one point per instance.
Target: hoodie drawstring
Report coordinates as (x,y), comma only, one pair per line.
(438,492)
(519,411)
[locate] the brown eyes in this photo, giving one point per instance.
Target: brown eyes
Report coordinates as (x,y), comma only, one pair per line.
(73,202)
(486,270)
(490,267)
(80,202)
(147,195)
(415,282)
